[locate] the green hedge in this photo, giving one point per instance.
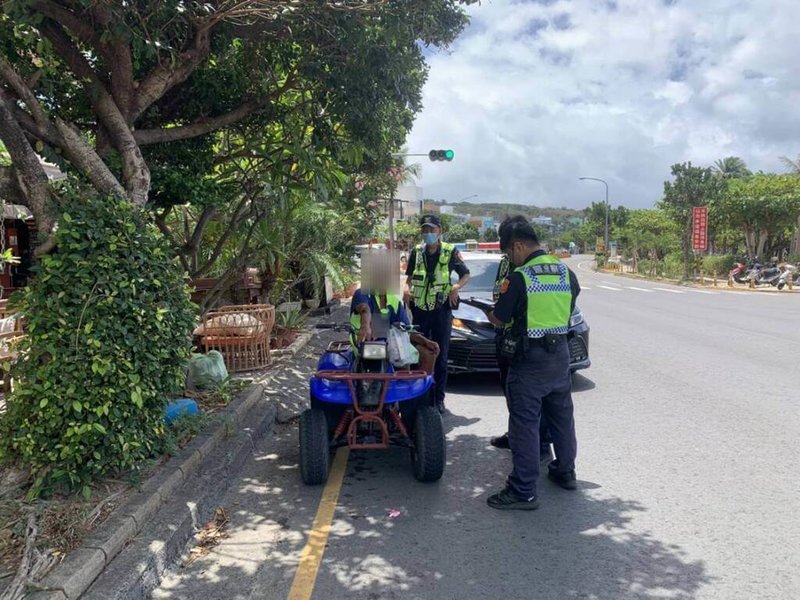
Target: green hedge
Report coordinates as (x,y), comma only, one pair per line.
(109,325)
(720,264)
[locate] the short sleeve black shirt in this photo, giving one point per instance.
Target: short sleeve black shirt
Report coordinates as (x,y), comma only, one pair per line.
(513,301)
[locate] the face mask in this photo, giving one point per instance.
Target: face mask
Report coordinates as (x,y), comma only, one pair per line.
(430,238)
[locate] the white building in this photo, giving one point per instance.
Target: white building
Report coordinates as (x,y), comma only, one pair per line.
(408,202)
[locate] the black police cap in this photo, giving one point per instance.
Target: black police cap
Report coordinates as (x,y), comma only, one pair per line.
(432,220)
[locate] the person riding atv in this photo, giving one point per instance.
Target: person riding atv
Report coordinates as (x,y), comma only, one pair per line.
(372,315)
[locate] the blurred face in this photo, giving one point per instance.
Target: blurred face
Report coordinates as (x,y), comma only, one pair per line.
(379,273)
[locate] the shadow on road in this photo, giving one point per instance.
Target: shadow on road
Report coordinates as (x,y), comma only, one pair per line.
(581,383)
(445,543)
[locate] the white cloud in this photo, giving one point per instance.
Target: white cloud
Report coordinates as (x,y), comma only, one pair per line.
(536,94)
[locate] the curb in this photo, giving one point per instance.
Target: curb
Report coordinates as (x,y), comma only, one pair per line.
(722,288)
(70,579)
(138,570)
(295,347)
(101,564)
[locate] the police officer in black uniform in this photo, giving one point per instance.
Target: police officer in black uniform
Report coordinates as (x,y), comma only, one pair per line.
(536,300)
(432,294)
(503,363)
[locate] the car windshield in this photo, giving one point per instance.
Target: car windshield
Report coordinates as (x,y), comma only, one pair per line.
(482,272)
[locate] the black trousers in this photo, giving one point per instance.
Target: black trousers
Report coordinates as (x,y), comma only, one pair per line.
(539,384)
(544,433)
(436,325)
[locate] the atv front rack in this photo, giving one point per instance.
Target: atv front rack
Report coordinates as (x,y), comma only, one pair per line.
(352,420)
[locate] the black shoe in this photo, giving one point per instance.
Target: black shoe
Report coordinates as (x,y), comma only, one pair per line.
(501,441)
(508,500)
(567,480)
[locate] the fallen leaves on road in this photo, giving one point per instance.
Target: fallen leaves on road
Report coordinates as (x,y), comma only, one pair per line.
(210,535)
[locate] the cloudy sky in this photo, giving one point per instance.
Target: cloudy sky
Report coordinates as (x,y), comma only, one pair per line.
(537,93)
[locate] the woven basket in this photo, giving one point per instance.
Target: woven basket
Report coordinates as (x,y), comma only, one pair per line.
(241,334)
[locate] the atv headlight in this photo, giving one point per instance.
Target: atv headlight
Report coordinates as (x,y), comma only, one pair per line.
(374,351)
(576,318)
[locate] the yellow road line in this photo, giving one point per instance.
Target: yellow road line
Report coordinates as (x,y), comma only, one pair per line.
(306,575)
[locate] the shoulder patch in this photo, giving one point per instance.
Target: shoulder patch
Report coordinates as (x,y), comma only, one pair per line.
(504,287)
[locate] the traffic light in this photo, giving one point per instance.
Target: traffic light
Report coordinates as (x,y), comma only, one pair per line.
(447,155)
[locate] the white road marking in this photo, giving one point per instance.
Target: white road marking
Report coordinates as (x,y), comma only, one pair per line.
(584,288)
(613,289)
(669,290)
(638,289)
(704,292)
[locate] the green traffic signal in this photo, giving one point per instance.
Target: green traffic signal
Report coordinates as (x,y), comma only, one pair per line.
(436,155)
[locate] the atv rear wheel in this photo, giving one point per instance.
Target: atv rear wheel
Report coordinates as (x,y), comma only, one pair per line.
(315,454)
(428,454)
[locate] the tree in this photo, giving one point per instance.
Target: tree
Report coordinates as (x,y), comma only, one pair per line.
(490,235)
(794,168)
(731,167)
(765,207)
(461,232)
(792,165)
(692,186)
(649,234)
(95,84)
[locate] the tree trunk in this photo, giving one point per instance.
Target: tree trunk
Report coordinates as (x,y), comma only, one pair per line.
(796,245)
(763,237)
(30,176)
(750,242)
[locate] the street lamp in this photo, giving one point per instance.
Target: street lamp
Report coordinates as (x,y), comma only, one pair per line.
(603,181)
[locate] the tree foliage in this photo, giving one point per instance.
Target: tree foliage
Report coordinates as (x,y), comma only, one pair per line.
(731,167)
(765,207)
(100,86)
(692,186)
(461,232)
(109,322)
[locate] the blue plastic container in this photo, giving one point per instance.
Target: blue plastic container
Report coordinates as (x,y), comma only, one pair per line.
(180,407)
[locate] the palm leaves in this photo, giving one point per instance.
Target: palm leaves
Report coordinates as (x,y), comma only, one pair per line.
(792,165)
(731,167)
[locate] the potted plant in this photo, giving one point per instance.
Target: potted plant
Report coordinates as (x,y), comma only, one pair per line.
(287,324)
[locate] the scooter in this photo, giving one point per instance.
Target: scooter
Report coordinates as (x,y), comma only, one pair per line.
(359,400)
(739,273)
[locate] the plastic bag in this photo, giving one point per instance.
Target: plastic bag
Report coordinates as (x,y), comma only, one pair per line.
(401,352)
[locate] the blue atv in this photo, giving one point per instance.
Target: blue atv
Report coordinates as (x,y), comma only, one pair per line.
(359,400)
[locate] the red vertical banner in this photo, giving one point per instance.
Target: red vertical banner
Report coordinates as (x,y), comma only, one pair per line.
(700,228)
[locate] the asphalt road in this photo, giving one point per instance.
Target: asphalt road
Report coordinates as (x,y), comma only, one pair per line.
(688,425)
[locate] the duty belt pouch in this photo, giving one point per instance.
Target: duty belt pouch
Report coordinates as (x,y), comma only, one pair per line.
(510,346)
(551,341)
(440,300)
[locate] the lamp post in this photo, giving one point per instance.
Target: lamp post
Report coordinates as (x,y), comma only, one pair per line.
(603,181)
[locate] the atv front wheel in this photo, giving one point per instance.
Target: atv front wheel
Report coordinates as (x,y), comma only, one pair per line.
(315,454)
(429,454)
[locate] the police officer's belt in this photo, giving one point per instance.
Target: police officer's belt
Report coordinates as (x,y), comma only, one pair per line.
(547,341)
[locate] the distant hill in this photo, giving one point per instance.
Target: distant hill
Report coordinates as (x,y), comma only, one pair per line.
(500,210)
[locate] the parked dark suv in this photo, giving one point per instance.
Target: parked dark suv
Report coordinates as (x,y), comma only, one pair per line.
(472,344)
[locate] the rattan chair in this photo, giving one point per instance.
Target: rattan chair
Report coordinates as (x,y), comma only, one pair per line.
(240,333)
